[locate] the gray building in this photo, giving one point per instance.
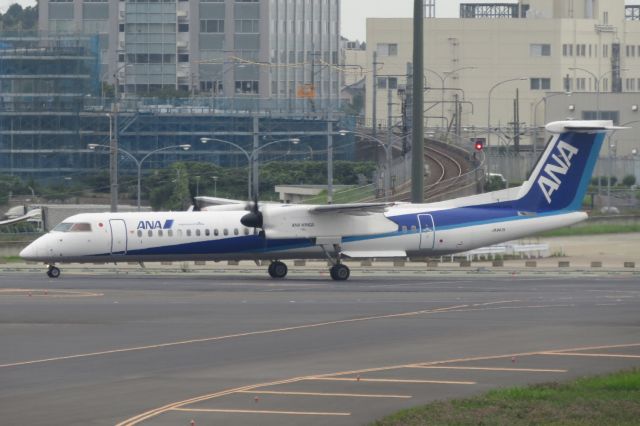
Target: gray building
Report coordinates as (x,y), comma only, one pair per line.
(283,49)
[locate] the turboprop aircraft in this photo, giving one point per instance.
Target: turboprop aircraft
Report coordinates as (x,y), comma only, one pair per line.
(235,230)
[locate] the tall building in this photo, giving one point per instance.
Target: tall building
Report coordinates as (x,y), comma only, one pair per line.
(268,48)
(541,48)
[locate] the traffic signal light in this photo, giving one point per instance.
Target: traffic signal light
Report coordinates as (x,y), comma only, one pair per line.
(479,144)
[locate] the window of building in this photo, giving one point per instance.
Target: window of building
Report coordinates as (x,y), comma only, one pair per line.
(540,49)
(581,50)
(212,25)
(540,83)
(121,57)
(388,49)
(382,83)
(567,50)
(183,28)
(630,84)
(183,57)
(247,26)
(121,28)
(604,115)
(605,50)
(250,86)
(581,83)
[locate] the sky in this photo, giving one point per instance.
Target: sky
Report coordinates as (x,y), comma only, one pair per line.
(354,12)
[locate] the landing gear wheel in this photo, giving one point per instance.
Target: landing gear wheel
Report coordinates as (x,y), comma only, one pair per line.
(53,272)
(340,272)
(278,270)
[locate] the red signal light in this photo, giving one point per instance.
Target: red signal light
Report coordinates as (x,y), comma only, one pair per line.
(479,145)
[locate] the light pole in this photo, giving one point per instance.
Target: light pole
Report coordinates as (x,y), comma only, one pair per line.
(597,81)
(215,185)
(535,116)
(443,78)
(114,140)
(612,146)
(93,146)
(489,115)
(388,157)
(250,156)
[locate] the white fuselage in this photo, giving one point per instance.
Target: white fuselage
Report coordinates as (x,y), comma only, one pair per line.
(220,236)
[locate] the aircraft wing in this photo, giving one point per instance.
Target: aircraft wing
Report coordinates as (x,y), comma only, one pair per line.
(361,209)
(31,214)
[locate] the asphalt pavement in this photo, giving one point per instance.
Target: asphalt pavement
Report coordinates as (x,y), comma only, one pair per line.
(235,348)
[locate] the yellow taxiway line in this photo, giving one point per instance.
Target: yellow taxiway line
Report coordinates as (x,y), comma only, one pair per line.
(357,379)
(290,413)
(349,395)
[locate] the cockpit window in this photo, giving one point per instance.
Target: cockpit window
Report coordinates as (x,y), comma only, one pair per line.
(81,227)
(62,227)
(73,227)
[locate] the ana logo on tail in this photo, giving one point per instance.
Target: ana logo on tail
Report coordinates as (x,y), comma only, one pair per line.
(549,182)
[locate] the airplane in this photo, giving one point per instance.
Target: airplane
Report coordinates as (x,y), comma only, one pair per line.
(235,230)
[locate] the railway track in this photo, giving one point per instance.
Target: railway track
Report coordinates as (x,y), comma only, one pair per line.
(449,173)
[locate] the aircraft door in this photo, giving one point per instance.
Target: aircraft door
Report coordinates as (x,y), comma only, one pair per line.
(427,231)
(118,236)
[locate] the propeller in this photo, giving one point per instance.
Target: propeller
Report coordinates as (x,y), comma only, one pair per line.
(196,206)
(253,219)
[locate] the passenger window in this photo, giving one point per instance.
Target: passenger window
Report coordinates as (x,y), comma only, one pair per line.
(150,233)
(188,232)
(246,231)
(235,231)
(413,227)
(207,232)
(170,233)
(179,232)
(139,233)
(197,232)
(226,231)
(215,233)
(404,229)
(159,232)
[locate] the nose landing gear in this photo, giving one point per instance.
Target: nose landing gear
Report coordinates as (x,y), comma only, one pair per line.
(53,272)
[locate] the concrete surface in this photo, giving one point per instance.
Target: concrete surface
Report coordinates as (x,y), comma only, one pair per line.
(230,348)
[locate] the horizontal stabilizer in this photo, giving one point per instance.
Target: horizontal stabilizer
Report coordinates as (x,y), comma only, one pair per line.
(582,126)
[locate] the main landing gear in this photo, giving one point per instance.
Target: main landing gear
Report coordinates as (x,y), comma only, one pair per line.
(278,270)
(53,272)
(340,272)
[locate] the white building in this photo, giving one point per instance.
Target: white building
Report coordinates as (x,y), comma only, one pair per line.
(543,48)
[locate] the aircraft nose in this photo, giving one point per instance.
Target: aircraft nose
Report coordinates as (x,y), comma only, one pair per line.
(30,252)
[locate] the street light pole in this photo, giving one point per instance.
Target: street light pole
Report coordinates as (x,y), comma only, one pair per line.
(93,146)
(489,116)
(535,117)
(250,156)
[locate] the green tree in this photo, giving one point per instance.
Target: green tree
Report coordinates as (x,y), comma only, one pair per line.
(629,180)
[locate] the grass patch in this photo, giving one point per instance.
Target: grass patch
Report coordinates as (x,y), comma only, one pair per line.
(613,399)
(12,259)
(593,230)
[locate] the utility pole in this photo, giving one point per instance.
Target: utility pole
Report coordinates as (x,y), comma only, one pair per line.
(254,156)
(330,160)
(374,94)
(417,150)
(388,153)
(113,149)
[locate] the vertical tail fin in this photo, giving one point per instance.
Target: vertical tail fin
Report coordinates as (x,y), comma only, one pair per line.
(560,179)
